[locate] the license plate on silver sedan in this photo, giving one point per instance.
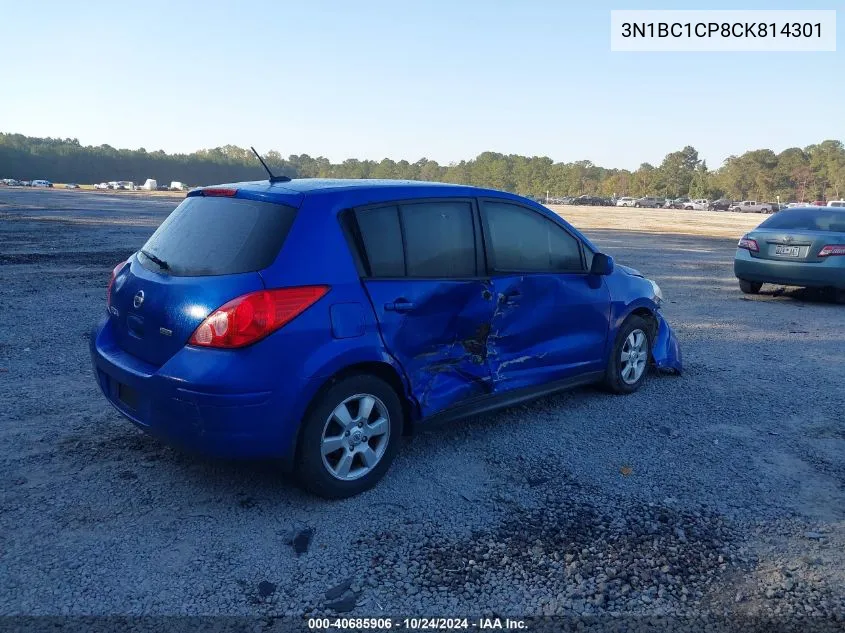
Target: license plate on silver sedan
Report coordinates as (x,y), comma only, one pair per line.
(787,251)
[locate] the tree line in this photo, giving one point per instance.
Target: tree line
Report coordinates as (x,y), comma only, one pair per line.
(801,174)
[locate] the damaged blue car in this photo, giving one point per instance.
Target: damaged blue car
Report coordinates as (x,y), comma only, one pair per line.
(318,321)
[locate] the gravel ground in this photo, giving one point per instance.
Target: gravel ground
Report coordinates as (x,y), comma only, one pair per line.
(721,492)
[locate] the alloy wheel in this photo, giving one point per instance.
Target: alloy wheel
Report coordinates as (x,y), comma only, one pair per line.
(355,437)
(634,356)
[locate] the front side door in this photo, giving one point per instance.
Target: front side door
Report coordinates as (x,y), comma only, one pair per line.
(551,318)
(422,265)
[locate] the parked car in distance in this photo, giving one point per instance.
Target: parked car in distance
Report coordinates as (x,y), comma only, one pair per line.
(625,202)
(752,206)
(818,203)
(71,185)
(676,203)
(162,188)
(102,186)
(699,204)
(586,200)
(836,203)
(803,246)
(317,320)
(722,204)
(41,183)
(649,202)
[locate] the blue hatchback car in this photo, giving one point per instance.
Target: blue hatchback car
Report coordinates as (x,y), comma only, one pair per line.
(318,321)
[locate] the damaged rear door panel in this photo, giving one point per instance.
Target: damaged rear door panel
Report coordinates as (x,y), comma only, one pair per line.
(551,320)
(440,341)
(421,269)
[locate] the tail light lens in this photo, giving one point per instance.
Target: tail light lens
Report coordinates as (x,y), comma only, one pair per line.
(114,273)
(748,244)
(832,249)
(251,317)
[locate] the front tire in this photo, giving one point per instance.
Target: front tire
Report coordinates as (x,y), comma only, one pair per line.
(349,437)
(749,287)
(628,364)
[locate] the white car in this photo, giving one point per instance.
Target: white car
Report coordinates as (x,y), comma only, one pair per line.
(42,183)
(625,202)
(697,205)
(102,185)
(836,203)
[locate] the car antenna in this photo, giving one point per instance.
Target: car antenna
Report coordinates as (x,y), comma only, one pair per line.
(272,177)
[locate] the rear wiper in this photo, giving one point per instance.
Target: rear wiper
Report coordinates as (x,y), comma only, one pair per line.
(156,260)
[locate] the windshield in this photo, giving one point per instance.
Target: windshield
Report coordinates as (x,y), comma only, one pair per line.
(218,236)
(807,220)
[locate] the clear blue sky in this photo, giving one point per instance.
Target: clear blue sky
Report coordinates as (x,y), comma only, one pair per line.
(441,79)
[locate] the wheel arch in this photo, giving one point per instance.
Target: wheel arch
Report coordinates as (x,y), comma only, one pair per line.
(648,315)
(379,369)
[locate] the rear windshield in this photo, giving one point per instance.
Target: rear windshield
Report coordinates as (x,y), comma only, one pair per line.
(807,220)
(219,236)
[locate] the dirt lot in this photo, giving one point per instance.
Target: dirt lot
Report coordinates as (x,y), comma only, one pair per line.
(722,491)
(661,221)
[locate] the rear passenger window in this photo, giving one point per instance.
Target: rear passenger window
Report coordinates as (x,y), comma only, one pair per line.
(522,240)
(382,239)
(439,239)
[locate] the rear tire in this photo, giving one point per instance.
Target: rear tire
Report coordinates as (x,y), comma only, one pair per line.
(360,418)
(628,365)
(749,287)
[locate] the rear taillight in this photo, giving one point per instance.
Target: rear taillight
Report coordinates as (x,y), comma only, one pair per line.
(748,244)
(832,249)
(251,317)
(114,274)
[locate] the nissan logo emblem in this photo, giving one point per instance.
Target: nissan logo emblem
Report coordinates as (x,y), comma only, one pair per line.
(139,299)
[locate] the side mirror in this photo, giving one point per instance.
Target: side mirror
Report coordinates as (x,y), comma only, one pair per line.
(602,264)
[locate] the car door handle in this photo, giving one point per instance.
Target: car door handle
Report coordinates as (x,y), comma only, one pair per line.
(400,306)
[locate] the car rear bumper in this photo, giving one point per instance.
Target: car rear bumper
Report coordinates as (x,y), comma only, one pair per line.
(215,423)
(809,275)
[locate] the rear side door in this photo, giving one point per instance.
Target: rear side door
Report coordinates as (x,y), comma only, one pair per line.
(422,265)
(551,319)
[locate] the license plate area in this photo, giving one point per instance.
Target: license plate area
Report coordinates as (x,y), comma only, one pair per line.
(787,251)
(128,396)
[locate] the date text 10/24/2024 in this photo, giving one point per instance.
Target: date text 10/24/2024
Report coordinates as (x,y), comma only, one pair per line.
(416,624)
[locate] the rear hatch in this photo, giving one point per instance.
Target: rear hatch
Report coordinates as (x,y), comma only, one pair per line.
(799,234)
(208,251)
